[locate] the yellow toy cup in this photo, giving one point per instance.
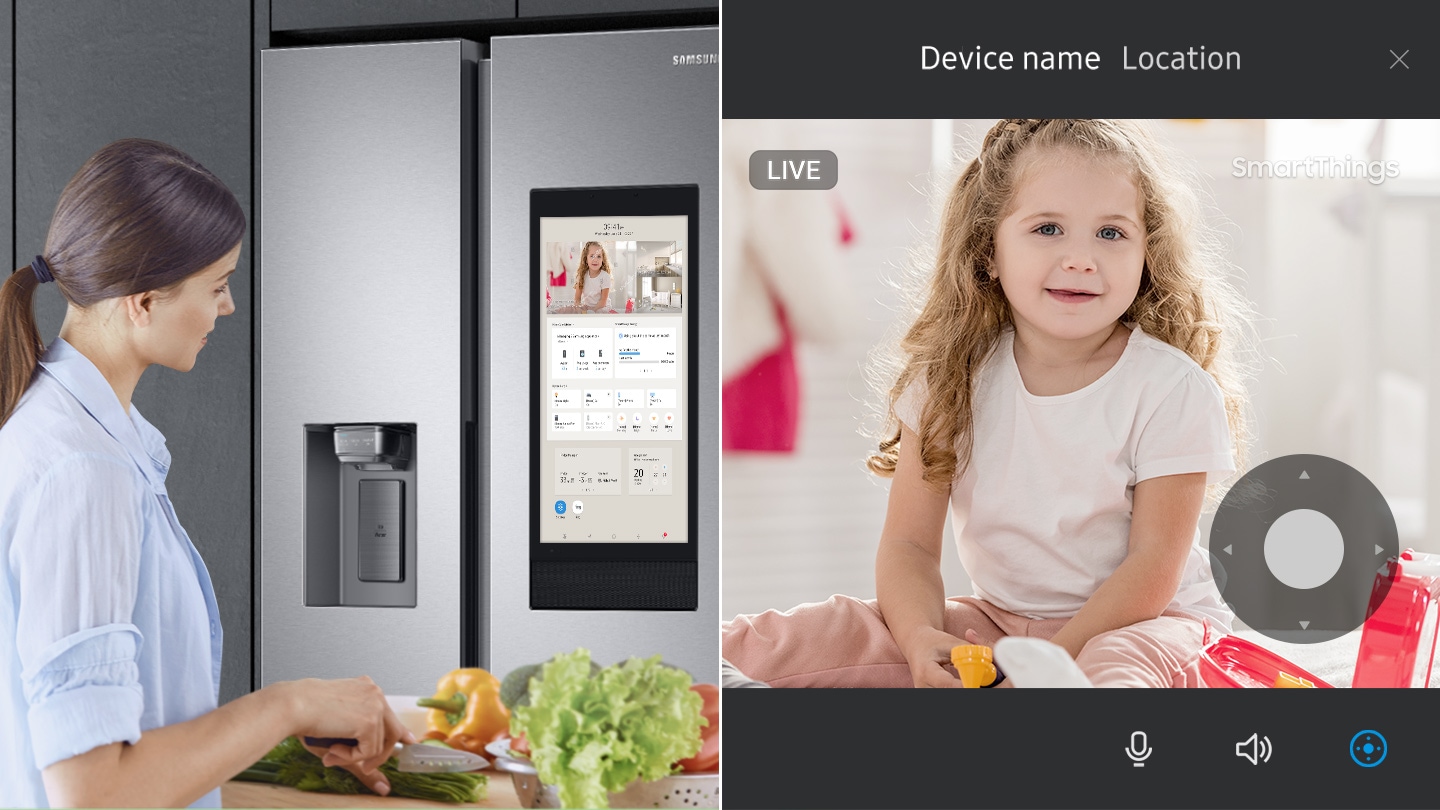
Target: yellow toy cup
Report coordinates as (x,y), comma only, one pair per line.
(975,663)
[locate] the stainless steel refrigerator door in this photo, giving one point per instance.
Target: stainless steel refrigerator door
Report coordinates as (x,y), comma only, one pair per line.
(602,109)
(363,235)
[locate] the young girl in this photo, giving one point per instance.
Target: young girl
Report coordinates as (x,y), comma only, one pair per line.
(592,283)
(1067,392)
(109,624)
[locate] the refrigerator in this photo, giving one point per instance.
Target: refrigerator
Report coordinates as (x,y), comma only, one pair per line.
(395,345)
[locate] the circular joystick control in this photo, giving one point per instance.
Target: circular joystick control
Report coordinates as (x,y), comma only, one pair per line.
(1300,544)
(1368,748)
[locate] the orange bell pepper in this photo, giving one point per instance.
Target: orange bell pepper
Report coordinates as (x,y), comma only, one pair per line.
(467,705)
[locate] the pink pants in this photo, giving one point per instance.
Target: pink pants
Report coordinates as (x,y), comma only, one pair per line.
(843,642)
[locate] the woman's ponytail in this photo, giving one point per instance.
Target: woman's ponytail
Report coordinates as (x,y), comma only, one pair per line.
(139,215)
(20,345)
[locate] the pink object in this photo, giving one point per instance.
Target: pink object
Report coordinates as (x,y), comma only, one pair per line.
(1232,662)
(1397,642)
(1397,646)
(630,305)
(847,232)
(844,642)
(547,298)
(760,409)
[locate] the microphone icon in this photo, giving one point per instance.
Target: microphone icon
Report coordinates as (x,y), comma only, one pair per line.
(1139,749)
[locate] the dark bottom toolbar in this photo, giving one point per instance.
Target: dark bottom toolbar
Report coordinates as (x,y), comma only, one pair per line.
(1198,748)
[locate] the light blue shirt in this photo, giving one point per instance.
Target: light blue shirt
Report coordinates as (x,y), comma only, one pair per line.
(108,621)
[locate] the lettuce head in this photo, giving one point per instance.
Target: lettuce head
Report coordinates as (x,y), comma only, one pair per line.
(594,734)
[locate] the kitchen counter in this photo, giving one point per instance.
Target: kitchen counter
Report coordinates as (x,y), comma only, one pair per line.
(258,794)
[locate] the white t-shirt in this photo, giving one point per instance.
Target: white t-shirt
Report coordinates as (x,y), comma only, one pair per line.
(1042,514)
(594,285)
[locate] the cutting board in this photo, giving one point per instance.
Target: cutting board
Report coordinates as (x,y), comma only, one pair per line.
(253,794)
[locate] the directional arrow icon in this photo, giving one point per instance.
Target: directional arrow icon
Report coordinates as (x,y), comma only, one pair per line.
(1304,476)
(1304,625)
(1229,550)
(1379,550)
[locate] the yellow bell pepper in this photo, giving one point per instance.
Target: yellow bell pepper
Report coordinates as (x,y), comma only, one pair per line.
(467,704)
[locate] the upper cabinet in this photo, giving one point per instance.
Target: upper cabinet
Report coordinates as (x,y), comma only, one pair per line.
(317,15)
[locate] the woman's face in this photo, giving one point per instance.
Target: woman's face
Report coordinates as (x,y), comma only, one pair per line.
(1070,253)
(595,260)
(181,321)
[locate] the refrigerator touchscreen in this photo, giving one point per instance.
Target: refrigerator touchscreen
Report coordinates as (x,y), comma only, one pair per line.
(614,376)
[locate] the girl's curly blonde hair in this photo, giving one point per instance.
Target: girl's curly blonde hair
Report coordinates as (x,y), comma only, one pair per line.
(1185,298)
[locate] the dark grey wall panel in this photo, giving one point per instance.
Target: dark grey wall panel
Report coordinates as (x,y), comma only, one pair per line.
(7,138)
(574,8)
(260,40)
(177,71)
(297,15)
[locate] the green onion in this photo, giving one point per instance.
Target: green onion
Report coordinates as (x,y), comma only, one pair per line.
(291,765)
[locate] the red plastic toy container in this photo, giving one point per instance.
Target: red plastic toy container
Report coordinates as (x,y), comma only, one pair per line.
(1397,646)
(1231,662)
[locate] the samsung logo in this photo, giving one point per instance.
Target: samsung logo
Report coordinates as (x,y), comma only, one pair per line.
(695,59)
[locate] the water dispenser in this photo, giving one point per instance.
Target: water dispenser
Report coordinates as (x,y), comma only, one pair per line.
(359,536)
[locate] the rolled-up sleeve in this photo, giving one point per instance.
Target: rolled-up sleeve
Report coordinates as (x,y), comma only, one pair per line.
(85,692)
(76,562)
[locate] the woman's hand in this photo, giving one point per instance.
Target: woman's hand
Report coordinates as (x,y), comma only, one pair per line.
(928,652)
(372,779)
(353,708)
(219,744)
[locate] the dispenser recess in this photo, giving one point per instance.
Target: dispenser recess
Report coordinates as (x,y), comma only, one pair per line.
(360,515)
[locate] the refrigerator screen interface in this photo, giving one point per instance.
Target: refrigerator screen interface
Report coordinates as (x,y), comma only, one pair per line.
(613,365)
(614,445)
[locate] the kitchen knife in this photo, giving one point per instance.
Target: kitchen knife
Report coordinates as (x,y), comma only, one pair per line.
(419,757)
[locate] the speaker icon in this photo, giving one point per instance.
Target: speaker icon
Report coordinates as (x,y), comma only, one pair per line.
(1257,749)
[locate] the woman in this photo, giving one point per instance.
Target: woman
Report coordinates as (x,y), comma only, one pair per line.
(108,621)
